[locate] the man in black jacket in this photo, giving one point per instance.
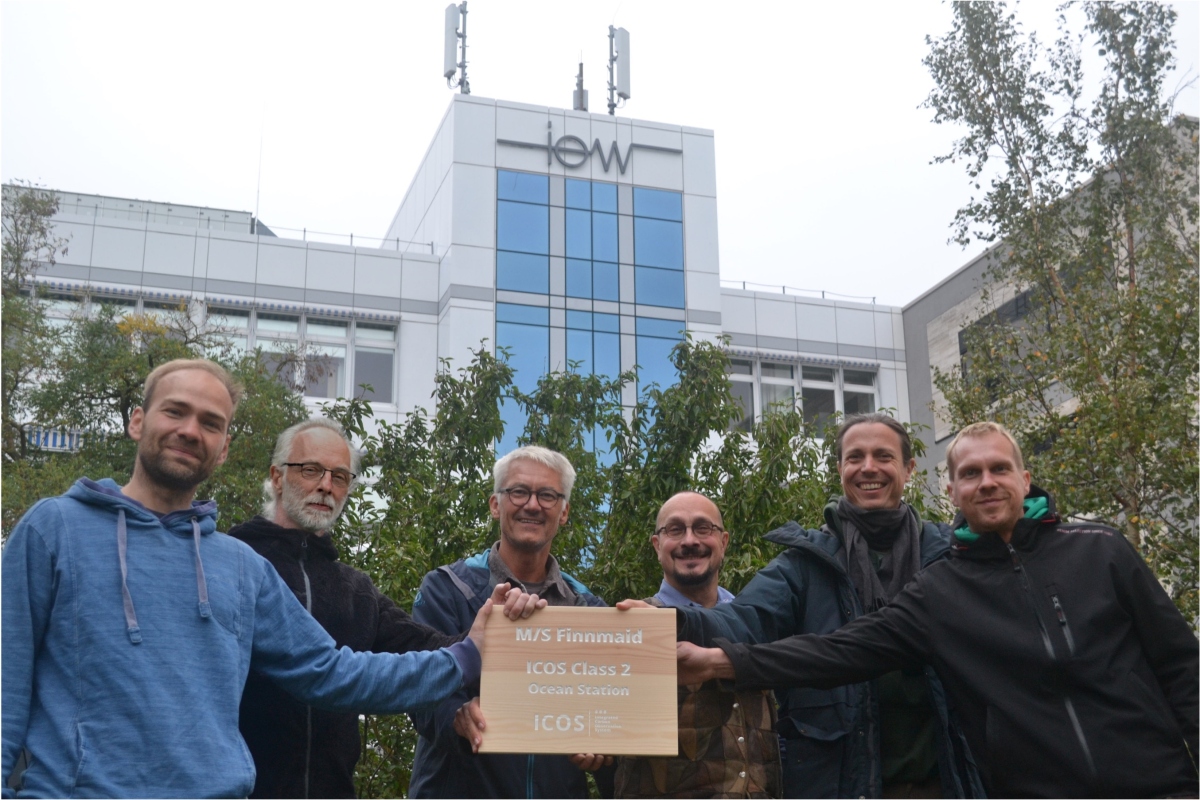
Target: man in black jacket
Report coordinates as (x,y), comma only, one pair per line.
(1072,671)
(299,751)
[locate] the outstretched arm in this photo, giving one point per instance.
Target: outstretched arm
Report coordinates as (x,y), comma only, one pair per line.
(870,646)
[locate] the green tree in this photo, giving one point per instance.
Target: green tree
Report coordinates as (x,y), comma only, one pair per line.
(432,479)
(29,244)
(1090,189)
(90,382)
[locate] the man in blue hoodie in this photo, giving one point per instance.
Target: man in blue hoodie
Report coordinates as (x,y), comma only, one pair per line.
(129,626)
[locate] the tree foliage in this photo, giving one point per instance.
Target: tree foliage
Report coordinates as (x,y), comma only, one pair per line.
(431,477)
(29,244)
(1085,344)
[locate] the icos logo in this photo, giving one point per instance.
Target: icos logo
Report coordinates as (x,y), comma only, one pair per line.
(573,152)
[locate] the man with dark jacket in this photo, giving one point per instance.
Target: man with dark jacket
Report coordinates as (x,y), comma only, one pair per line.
(300,751)
(891,737)
(531,500)
(1071,669)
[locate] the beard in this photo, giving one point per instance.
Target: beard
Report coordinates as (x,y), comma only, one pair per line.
(696,578)
(170,474)
(295,505)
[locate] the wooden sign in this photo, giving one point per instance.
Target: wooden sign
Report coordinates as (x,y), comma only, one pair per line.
(581,680)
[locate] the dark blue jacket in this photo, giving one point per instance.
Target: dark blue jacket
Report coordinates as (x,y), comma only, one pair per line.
(831,745)
(444,765)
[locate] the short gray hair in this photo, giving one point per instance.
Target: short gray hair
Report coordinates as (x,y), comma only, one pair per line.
(283,452)
(542,455)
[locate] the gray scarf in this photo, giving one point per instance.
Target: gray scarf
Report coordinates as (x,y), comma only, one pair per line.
(894,532)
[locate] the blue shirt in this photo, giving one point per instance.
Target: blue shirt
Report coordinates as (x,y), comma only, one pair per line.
(668,595)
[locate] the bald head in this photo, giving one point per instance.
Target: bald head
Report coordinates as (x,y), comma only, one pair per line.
(691,563)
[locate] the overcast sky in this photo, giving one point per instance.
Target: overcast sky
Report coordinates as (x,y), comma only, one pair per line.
(823,174)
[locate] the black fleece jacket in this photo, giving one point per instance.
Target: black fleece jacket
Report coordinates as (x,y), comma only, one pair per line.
(1073,673)
(300,751)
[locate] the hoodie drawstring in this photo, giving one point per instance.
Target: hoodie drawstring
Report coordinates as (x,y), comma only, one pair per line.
(201,584)
(131,623)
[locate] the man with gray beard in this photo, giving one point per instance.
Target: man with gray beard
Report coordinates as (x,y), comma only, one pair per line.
(300,751)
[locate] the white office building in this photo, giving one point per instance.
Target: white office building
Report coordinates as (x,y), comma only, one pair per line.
(564,236)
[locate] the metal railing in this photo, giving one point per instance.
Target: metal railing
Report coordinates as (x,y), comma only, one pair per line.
(349,239)
(750,286)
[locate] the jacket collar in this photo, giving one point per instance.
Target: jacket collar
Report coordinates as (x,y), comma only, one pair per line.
(265,536)
(1025,537)
(826,543)
(106,493)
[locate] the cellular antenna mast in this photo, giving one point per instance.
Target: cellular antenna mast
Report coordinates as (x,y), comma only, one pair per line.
(453,62)
(618,60)
(580,96)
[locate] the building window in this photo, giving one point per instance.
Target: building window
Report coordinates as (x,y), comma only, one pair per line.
(763,386)
(375,361)
(741,380)
(338,355)
(656,338)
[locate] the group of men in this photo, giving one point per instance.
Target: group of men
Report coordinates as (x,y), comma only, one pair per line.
(879,656)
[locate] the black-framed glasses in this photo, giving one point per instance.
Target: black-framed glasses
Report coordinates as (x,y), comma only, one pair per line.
(519,496)
(312,471)
(702,529)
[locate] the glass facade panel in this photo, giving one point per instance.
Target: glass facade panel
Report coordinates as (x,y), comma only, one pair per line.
(379,333)
(522,272)
(278,323)
(607,354)
(605,282)
(773,370)
(579,194)
(523,227)
(604,197)
(819,406)
(579,278)
(817,374)
(604,237)
(229,319)
(526,315)
(579,320)
(606,322)
(522,186)
(858,377)
(781,393)
(374,366)
(743,393)
(657,203)
(579,349)
(657,243)
(658,287)
(663,328)
(579,234)
(529,352)
(858,403)
(325,375)
(654,362)
(740,366)
(326,328)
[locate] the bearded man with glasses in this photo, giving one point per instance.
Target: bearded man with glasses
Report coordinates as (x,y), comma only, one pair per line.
(531,499)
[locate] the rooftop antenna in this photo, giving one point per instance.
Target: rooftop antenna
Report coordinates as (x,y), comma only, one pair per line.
(580,97)
(618,58)
(454,62)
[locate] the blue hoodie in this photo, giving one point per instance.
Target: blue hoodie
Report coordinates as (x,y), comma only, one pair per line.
(127,639)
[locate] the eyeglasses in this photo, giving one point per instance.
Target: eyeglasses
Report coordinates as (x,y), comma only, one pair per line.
(519,496)
(702,530)
(311,471)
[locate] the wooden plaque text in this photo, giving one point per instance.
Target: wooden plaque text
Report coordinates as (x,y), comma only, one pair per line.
(581,680)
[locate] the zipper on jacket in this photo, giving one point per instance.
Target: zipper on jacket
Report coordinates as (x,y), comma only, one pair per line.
(1062,620)
(529,777)
(1019,568)
(307,708)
